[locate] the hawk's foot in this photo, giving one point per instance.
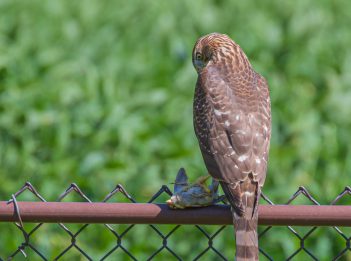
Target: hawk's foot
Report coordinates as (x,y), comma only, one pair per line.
(197,194)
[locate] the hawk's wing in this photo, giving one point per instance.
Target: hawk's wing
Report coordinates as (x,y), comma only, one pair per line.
(239,137)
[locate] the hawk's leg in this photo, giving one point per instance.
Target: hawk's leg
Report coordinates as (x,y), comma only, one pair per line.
(196,194)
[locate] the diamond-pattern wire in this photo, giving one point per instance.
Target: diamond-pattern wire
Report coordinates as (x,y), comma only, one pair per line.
(301,191)
(211,237)
(210,243)
(119,189)
(21,248)
(164,189)
(344,193)
(73,188)
(304,192)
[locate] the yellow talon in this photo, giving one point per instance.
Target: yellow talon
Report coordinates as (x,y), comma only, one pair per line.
(201,181)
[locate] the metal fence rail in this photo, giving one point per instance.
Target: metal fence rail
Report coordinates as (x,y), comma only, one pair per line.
(138,213)
(150,213)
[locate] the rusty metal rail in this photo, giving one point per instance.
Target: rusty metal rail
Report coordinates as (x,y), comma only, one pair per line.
(139,213)
(152,214)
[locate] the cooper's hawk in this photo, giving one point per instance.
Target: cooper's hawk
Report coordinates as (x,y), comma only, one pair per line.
(232,121)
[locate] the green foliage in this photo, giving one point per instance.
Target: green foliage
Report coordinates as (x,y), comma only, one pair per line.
(100,93)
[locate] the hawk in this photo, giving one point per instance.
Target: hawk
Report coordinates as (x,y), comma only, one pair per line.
(232,122)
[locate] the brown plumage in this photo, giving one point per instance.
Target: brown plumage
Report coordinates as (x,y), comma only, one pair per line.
(232,121)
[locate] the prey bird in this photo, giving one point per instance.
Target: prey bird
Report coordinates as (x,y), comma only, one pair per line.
(232,121)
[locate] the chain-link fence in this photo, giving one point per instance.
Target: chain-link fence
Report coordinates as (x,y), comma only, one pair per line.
(212,239)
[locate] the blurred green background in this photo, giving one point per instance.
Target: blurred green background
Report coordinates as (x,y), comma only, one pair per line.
(100,93)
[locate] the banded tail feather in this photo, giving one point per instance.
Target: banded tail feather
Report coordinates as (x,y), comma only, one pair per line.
(246,238)
(243,198)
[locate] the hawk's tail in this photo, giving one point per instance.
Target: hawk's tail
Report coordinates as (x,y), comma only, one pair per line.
(243,198)
(246,239)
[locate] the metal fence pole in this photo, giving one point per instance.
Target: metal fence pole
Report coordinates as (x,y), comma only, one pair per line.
(140,213)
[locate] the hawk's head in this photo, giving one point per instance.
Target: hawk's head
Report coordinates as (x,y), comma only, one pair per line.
(216,48)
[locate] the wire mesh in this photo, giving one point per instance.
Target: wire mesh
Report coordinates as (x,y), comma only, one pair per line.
(209,237)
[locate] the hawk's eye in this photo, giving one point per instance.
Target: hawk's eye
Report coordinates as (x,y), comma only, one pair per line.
(198,56)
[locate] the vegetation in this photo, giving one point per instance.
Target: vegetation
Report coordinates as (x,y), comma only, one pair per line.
(100,93)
